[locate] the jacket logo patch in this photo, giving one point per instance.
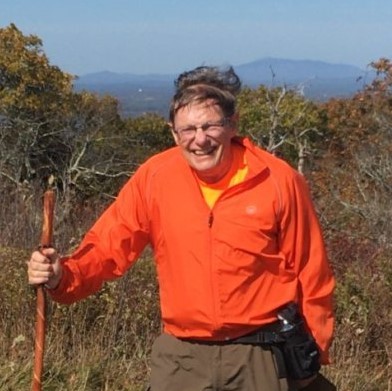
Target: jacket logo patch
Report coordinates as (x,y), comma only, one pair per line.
(251,210)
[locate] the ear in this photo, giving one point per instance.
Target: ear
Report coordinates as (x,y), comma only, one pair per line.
(234,119)
(234,123)
(174,134)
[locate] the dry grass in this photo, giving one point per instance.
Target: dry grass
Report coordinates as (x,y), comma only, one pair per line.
(103,343)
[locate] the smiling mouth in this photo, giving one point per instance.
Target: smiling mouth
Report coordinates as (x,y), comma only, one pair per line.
(204,152)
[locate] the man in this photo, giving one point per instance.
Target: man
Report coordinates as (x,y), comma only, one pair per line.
(235,239)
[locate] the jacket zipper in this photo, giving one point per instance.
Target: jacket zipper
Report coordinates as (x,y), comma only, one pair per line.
(210,219)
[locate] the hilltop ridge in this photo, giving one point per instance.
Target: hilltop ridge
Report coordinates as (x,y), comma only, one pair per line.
(317,80)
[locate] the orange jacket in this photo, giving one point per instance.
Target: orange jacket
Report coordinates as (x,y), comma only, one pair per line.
(222,272)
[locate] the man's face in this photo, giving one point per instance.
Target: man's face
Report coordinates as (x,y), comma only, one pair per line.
(204,136)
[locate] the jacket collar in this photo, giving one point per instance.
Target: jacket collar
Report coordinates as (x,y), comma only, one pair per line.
(254,155)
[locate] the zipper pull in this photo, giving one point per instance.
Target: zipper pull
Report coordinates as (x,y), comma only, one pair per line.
(210,220)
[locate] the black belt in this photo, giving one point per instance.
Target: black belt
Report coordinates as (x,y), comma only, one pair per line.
(265,335)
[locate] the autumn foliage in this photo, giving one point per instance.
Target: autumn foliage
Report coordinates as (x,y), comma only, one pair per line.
(342,146)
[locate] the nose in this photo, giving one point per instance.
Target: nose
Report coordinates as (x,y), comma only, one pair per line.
(200,136)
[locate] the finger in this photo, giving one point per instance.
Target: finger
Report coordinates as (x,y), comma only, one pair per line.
(38,281)
(40,275)
(48,251)
(51,254)
(40,267)
(39,258)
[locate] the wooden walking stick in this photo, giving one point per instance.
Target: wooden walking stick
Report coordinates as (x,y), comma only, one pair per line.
(46,241)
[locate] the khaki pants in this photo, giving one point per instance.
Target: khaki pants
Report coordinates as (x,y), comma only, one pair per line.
(178,365)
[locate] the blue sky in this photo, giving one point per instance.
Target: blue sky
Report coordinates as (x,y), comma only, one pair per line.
(170,36)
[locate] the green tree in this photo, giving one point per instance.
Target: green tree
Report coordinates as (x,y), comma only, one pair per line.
(34,96)
(148,134)
(282,121)
(46,128)
(29,86)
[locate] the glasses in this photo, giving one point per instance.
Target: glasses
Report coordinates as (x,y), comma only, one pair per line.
(208,128)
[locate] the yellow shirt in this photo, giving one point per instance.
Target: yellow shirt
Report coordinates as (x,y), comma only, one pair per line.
(236,174)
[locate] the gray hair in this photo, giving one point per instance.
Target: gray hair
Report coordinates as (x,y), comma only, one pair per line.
(206,83)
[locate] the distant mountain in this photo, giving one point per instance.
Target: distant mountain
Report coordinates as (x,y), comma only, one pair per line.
(315,79)
(295,70)
(151,92)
